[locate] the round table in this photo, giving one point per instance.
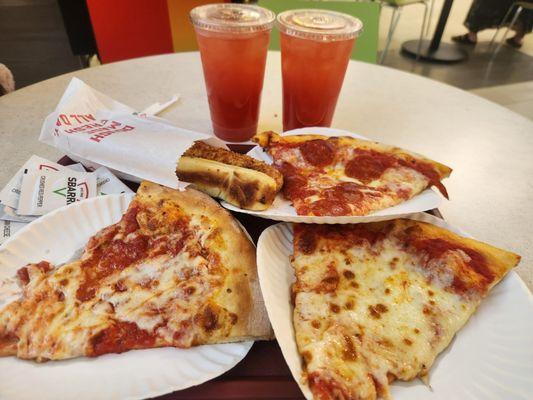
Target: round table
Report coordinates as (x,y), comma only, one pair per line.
(488,146)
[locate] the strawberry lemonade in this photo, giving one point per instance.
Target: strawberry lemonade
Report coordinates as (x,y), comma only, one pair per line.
(315,50)
(233,41)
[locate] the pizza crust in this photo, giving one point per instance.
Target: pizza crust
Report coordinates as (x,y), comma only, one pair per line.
(176,270)
(379,302)
(245,298)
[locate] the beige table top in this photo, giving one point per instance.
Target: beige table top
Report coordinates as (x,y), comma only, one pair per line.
(489,147)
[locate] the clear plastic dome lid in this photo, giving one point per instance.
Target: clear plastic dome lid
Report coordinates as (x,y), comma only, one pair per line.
(227,17)
(321,25)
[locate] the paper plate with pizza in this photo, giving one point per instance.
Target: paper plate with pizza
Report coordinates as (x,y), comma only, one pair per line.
(360,311)
(334,176)
(156,280)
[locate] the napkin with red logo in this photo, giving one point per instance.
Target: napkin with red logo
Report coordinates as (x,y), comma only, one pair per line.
(95,129)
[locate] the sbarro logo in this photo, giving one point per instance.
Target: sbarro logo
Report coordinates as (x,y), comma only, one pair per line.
(74,191)
(44,191)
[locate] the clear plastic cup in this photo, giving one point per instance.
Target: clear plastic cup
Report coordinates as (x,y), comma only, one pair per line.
(315,50)
(233,41)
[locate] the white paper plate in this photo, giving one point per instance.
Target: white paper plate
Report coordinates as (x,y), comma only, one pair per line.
(136,374)
(282,209)
(490,358)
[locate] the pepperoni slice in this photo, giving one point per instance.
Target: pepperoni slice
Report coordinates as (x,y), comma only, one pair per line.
(350,192)
(367,166)
(337,199)
(318,153)
(294,184)
(335,207)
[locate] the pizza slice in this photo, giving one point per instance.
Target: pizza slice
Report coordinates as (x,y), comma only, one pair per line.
(378,302)
(164,275)
(347,176)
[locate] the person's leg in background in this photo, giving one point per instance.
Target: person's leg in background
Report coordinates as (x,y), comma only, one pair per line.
(7,83)
(523,26)
(79,30)
(483,14)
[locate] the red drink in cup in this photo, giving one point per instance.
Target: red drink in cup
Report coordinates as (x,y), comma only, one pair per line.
(233,41)
(315,50)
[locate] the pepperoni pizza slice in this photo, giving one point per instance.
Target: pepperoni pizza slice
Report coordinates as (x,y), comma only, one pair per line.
(347,176)
(164,275)
(378,302)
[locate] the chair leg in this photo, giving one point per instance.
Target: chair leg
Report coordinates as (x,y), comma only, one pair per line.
(513,21)
(396,13)
(504,20)
(428,26)
(423,30)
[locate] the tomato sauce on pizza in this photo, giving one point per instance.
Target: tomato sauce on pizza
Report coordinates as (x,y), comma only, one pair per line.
(377,302)
(336,176)
(164,275)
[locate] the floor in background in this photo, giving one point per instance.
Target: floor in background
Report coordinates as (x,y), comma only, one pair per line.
(482,69)
(33,41)
(509,66)
(517,97)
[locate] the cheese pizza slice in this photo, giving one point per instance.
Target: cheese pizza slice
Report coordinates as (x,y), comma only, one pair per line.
(164,275)
(378,302)
(347,176)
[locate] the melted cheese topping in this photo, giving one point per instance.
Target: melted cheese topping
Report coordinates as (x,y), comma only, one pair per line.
(367,311)
(394,185)
(162,296)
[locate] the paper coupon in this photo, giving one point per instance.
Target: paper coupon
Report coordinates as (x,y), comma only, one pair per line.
(44,191)
(10,194)
(8,229)
(10,214)
(76,167)
(107,183)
